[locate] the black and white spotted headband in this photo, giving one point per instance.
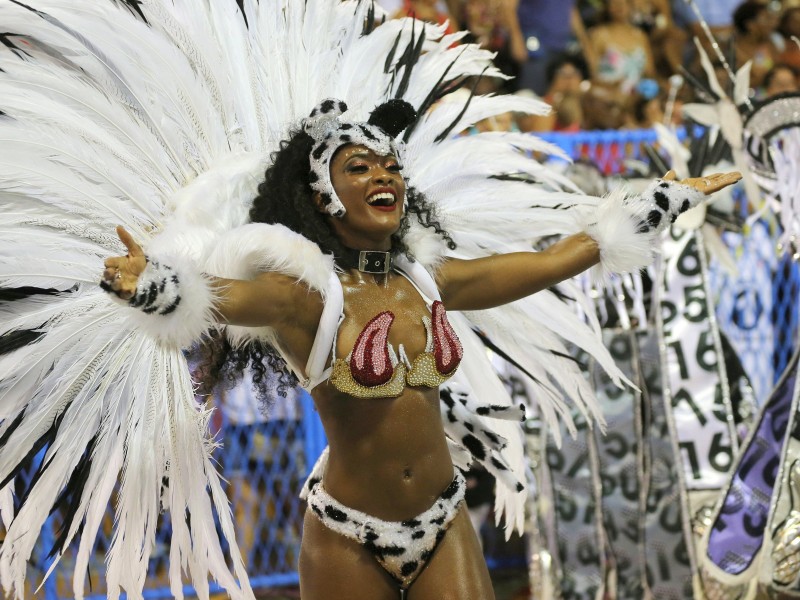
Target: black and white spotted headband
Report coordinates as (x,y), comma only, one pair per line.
(330,133)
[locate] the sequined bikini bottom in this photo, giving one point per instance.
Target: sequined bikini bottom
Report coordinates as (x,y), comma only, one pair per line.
(402,548)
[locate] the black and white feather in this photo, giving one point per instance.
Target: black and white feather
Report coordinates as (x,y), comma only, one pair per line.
(160,116)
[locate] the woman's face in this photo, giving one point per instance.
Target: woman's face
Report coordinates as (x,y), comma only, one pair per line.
(782,81)
(372,191)
(567,79)
(619,11)
(763,23)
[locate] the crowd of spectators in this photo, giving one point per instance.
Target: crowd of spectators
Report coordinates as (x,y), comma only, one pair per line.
(611,64)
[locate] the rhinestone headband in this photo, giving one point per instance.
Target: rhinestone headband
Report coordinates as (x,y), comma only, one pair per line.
(330,133)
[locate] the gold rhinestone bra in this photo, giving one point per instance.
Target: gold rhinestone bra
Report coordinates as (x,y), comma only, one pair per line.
(373,369)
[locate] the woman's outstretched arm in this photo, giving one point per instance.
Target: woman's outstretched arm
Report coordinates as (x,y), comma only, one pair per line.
(270,299)
(500,279)
(495,280)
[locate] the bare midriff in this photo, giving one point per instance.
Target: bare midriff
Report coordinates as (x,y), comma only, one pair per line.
(388,456)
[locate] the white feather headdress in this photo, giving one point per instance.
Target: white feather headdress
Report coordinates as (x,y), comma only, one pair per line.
(160,116)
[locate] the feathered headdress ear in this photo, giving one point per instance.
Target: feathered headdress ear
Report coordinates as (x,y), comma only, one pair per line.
(324,117)
(330,132)
(393,116)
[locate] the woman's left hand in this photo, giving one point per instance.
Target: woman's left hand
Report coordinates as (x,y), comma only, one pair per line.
(708,184)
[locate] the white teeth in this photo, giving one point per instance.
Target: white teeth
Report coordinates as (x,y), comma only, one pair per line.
(382,196)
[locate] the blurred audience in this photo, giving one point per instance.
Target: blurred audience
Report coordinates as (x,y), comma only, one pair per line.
(619,52)
(432,11)
(566,78)
(780,79)
(667,40)
(549,28)
(493,24)
(789,27)
(604,107)
(646,111)
(755,22)
(718,15)
(630,50)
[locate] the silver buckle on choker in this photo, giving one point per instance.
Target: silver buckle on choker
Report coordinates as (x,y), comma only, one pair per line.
(370,261)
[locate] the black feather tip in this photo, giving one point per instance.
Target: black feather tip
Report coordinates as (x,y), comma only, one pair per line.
(393,116)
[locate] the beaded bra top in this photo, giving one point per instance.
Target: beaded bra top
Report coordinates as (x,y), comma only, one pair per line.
(374,370)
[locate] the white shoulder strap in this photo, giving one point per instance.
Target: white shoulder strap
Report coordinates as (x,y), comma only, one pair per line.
(419,276)
(325,337)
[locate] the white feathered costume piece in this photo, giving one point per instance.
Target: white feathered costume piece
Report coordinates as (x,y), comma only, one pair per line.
(772,140)
(160,115)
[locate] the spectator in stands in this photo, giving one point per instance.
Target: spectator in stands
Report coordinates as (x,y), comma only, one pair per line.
(780,79)
(755,23)
(566,77)
(646,111)
(494,25)
(604,107)
(619,52)
(549,27)
(667,40)
(789,27)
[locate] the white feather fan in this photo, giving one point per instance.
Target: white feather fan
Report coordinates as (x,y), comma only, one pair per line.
(160,116)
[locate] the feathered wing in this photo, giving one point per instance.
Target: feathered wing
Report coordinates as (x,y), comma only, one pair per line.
(110,119)
(160,116)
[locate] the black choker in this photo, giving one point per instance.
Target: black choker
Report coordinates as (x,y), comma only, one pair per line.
(366,261)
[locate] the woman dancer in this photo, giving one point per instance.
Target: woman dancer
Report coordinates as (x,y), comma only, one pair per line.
(388,512)
(162,116)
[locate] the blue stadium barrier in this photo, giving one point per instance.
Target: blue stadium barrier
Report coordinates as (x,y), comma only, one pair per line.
(607,149)
(267,461)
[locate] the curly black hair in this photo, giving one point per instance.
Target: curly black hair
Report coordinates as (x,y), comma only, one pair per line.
(285,197)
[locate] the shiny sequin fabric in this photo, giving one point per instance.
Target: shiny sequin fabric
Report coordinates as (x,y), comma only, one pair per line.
(342,379)
(372,370)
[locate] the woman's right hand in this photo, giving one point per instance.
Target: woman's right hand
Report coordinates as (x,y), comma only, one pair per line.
(121,275)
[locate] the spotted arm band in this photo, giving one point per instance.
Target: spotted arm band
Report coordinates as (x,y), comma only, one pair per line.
(174,302)
(627,229)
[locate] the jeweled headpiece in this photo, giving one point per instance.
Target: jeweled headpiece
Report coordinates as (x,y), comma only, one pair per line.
(330,133)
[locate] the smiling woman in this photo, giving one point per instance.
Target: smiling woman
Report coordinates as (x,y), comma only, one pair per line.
(386,503)
(376,288)
(373,193)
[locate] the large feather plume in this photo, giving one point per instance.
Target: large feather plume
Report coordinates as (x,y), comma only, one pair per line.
(161,116)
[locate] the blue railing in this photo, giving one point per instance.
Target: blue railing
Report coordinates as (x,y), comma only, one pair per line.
(609,150)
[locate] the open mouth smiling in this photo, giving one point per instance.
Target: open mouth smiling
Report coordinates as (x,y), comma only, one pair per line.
(384,199)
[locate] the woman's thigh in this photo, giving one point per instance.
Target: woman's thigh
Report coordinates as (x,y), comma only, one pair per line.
(333,567)
(457,569)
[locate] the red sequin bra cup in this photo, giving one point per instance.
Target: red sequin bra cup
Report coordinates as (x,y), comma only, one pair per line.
(374,370)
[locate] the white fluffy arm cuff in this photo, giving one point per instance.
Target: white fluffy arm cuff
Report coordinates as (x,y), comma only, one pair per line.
(174,302)
(627,228)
